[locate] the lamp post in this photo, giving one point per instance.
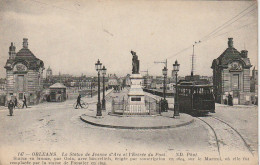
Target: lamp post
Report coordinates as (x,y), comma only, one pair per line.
(176,68)
(98,69)
(104,70)
(164,71)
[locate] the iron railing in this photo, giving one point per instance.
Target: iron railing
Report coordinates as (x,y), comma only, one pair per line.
(120,106)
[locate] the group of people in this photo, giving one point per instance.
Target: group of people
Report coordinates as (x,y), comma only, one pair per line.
(117,88)
(14,103)
(229,100)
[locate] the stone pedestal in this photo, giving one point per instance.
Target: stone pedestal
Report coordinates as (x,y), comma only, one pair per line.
(136,100)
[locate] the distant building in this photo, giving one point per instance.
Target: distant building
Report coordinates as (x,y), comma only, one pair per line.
(195,78)
(49,73)
(2,86)
(24,74)
(147,80)
(198,79)
(231,75)
(127,80)
(2,91)
(57,93)
(254,85)
(113,80)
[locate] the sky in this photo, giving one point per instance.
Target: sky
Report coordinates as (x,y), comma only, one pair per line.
(71,35)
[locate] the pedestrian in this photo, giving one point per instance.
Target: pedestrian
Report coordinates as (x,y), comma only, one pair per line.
(230,100)
(24,101)
(78,102)
(226,100)
(15,102)
(11,107)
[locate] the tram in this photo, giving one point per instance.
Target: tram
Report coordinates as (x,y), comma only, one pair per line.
(195,99)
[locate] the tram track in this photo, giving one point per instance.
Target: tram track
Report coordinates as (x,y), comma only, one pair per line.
(245,143)
(215,134)
(228,139)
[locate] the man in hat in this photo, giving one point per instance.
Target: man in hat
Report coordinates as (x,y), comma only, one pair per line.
(24,101)
(11,107)
(78,102)
(230,100)
(15,102)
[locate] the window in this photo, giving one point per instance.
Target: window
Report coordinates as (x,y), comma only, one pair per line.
(235,81)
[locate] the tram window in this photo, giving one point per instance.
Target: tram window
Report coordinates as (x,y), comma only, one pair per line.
(207,91)
(186,92)
(180,91)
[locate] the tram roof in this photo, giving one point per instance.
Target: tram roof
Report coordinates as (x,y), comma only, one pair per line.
(193,84)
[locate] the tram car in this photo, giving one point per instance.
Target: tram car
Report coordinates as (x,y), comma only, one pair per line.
(195,99)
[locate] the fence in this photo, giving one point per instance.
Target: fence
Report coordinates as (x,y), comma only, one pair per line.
(152,105)
(120,106)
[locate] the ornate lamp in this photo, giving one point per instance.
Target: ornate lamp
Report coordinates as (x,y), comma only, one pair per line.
(176,68)
(98,65)
(164,71)
(98,69)
(104,70)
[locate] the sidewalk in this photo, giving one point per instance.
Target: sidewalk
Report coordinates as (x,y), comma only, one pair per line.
(235,106)
(67,103)
(137,122)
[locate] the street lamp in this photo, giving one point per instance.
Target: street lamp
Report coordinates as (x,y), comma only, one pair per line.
(98,69)
(176,68)
(164,71)
(104,70)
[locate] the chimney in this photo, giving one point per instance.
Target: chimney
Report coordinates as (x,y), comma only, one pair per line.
(25,43)
(12,47)
(244,53)
(12,53)
(230,42)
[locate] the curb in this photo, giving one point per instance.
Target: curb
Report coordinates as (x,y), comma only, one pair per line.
(126,127)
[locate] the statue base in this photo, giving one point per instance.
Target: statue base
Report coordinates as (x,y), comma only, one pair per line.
(136,99)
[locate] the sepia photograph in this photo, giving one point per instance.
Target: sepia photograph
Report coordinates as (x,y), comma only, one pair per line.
(138,82)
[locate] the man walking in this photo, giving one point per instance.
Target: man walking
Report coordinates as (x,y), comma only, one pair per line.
(11,107)
(78,102)
(24,101)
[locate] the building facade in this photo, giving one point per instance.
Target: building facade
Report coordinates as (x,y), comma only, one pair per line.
(254,86)
(24,75)
(231,75)
(113,80)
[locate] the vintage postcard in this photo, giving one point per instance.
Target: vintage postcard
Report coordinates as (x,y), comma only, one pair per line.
(106,82)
